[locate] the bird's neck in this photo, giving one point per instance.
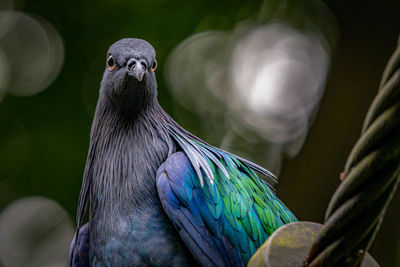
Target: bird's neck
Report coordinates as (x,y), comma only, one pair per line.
(125,153)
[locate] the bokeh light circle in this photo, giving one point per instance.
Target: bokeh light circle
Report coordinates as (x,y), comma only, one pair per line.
(34,52)
(34,231)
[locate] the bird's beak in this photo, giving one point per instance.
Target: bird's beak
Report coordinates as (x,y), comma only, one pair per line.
(136,68)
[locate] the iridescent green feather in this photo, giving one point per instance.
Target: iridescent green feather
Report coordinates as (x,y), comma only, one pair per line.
(249,205)
(236,196)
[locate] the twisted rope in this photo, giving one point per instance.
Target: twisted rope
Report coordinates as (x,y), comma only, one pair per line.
(370,178)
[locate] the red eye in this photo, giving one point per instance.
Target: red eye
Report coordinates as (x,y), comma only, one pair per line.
(154,66)
(110,63)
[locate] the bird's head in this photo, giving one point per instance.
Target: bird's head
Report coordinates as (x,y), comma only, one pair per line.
(129,74)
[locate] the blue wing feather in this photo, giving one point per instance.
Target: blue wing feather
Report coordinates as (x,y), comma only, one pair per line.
(79,249)
(200,231)
(224,220)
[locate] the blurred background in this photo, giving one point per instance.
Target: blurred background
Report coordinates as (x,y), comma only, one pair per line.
(285,83)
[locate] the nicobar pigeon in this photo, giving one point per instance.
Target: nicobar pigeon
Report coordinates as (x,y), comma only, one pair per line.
(158,195)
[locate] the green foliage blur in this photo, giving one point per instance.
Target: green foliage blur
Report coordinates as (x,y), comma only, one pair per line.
(44,138)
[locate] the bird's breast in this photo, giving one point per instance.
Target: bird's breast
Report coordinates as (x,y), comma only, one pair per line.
(140,238)
(128,226)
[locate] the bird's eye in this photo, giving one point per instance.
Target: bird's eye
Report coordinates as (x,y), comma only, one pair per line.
(154,66)
(110,63)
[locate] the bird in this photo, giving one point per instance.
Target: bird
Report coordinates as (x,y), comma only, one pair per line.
(156,194)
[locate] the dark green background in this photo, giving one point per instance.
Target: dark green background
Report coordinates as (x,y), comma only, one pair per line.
(44,138)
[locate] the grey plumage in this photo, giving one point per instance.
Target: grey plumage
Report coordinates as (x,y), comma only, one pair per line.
(128,143)
(154,190)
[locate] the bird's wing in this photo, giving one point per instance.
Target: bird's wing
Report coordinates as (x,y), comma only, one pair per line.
(79,249)
(224,220)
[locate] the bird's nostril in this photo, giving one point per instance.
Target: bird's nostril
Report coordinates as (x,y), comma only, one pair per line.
(134,61)
(131,62)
